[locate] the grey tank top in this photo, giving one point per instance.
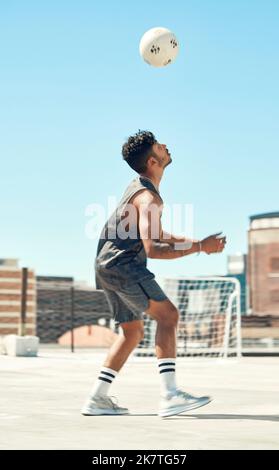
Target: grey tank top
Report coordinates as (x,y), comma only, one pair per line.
(127,255)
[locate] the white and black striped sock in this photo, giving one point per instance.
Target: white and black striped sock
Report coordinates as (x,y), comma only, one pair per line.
(104,381)
(167,375)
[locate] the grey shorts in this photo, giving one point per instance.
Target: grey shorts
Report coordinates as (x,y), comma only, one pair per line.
(127,299)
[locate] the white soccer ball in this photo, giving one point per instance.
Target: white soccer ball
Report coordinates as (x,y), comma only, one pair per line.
(158,47)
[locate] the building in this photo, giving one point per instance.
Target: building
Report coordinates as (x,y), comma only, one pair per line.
(54,305)
(11,296)
(237,267)
(63,305)
(263,264)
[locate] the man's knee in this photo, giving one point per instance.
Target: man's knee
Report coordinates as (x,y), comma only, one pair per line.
(133,331)
(139,334)
(170,317)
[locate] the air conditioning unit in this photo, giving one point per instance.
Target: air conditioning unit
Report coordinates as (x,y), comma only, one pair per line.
(15,345)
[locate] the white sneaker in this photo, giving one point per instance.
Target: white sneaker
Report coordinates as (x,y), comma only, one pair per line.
(103,405)
(180,401)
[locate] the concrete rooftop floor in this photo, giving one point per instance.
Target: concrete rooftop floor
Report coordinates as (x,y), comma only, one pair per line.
(41,399)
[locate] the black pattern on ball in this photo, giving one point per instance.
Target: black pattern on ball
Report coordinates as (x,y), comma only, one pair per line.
(155,49)
(173,43)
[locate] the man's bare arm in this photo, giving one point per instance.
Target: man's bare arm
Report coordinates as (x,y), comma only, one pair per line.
(171,238)
(178,241)
(148,206)
(167,251)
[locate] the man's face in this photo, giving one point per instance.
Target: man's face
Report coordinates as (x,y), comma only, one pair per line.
(162,154)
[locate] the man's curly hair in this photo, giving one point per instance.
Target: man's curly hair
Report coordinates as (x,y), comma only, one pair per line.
(138,149)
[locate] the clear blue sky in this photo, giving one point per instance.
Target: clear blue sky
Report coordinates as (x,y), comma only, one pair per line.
(73,87)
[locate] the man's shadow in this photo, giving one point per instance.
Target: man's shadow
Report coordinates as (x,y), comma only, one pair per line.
(274,418)
(227,416)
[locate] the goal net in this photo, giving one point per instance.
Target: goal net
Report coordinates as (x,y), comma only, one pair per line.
(209,323)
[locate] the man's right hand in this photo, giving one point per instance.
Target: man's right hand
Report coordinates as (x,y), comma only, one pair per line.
(213,244)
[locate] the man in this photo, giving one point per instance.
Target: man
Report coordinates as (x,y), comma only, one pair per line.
(132,234)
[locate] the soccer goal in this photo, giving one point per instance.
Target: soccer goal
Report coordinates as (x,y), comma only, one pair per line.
(209,323)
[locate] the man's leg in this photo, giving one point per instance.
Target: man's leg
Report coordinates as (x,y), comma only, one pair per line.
(99,403)
(166,315)
(173,400)
(133,333)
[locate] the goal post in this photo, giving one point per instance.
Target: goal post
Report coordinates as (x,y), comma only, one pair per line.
(209,323)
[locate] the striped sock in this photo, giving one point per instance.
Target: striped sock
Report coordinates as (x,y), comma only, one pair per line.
(103,382)
(167,375)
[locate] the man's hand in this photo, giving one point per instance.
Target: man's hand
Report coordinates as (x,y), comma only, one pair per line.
(213,244)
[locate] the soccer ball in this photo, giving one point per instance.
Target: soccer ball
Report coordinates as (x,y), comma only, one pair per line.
(158,47)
